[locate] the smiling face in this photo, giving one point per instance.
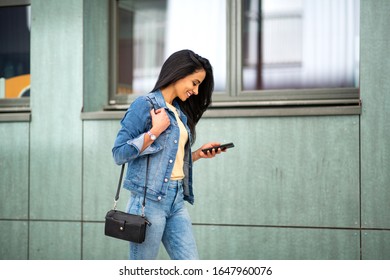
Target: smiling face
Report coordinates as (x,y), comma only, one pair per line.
(189,85)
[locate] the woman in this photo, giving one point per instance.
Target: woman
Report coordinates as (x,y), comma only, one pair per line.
(161,126)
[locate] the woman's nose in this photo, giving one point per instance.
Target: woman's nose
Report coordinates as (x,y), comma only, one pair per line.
(196,90)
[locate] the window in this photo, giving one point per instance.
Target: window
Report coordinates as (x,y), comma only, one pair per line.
(148,31)
(300,44)
(264,52)
(14,54)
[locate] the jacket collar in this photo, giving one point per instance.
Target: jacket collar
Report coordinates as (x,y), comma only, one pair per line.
(160,101)
(159,98)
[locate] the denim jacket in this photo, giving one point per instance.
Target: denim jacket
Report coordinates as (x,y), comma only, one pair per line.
(162,152)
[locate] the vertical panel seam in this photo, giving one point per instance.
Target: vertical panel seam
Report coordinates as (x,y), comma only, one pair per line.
(82,192)
(82,137)
(28,189)
(360,189)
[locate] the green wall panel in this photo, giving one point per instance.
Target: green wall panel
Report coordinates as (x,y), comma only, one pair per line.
(56,101)
(96,51)
(376,245)
(13,240)
(256,243)
(241,243)
(14,164)
(101,174)
(283,171)
(55,240)
(375,119)
(97,246)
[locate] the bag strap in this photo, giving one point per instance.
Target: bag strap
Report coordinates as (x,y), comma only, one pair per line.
(153,102)
(120,184)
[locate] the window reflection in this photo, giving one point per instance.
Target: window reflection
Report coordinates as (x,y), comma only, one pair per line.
(14,52)
(291,44)
(150,30)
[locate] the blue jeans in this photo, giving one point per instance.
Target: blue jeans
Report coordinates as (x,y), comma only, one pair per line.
(171,224)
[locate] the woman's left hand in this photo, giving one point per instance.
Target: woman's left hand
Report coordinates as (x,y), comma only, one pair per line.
(200,154)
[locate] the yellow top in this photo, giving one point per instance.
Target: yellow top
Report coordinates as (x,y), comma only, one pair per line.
(178,171)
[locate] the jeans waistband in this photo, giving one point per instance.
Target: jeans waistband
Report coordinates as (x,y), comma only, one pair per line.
(175,183)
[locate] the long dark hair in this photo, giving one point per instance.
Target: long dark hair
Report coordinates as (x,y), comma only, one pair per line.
(179,65)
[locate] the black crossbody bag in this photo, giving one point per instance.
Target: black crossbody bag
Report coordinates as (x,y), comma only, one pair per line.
(123,225)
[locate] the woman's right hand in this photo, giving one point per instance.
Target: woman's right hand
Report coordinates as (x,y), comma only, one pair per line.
(160,121)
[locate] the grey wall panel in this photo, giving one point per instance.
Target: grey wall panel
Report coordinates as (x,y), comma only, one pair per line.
(376,245)
(96,50)
(97,246)
(56,101)
(101,174)
(13,240)
(14,170)
(256,243)
(283,171)
(55,240)
(241,243)
(375,118)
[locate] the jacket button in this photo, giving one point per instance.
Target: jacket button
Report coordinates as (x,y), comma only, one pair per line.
(166,180)
(175,141)
(170,161)
(159,198)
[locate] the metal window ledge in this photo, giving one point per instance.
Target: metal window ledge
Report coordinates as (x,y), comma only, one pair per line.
(15,117)
(15,114)
(245,110)
(283,111)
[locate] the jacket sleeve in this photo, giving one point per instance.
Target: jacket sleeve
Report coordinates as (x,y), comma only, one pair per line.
(130,138)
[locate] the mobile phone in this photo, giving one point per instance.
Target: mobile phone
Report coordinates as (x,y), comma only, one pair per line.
(222,147)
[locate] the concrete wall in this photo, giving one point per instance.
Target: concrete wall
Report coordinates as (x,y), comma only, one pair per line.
(293,188)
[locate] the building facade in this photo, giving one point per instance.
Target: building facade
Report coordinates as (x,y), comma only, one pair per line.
(294,187)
